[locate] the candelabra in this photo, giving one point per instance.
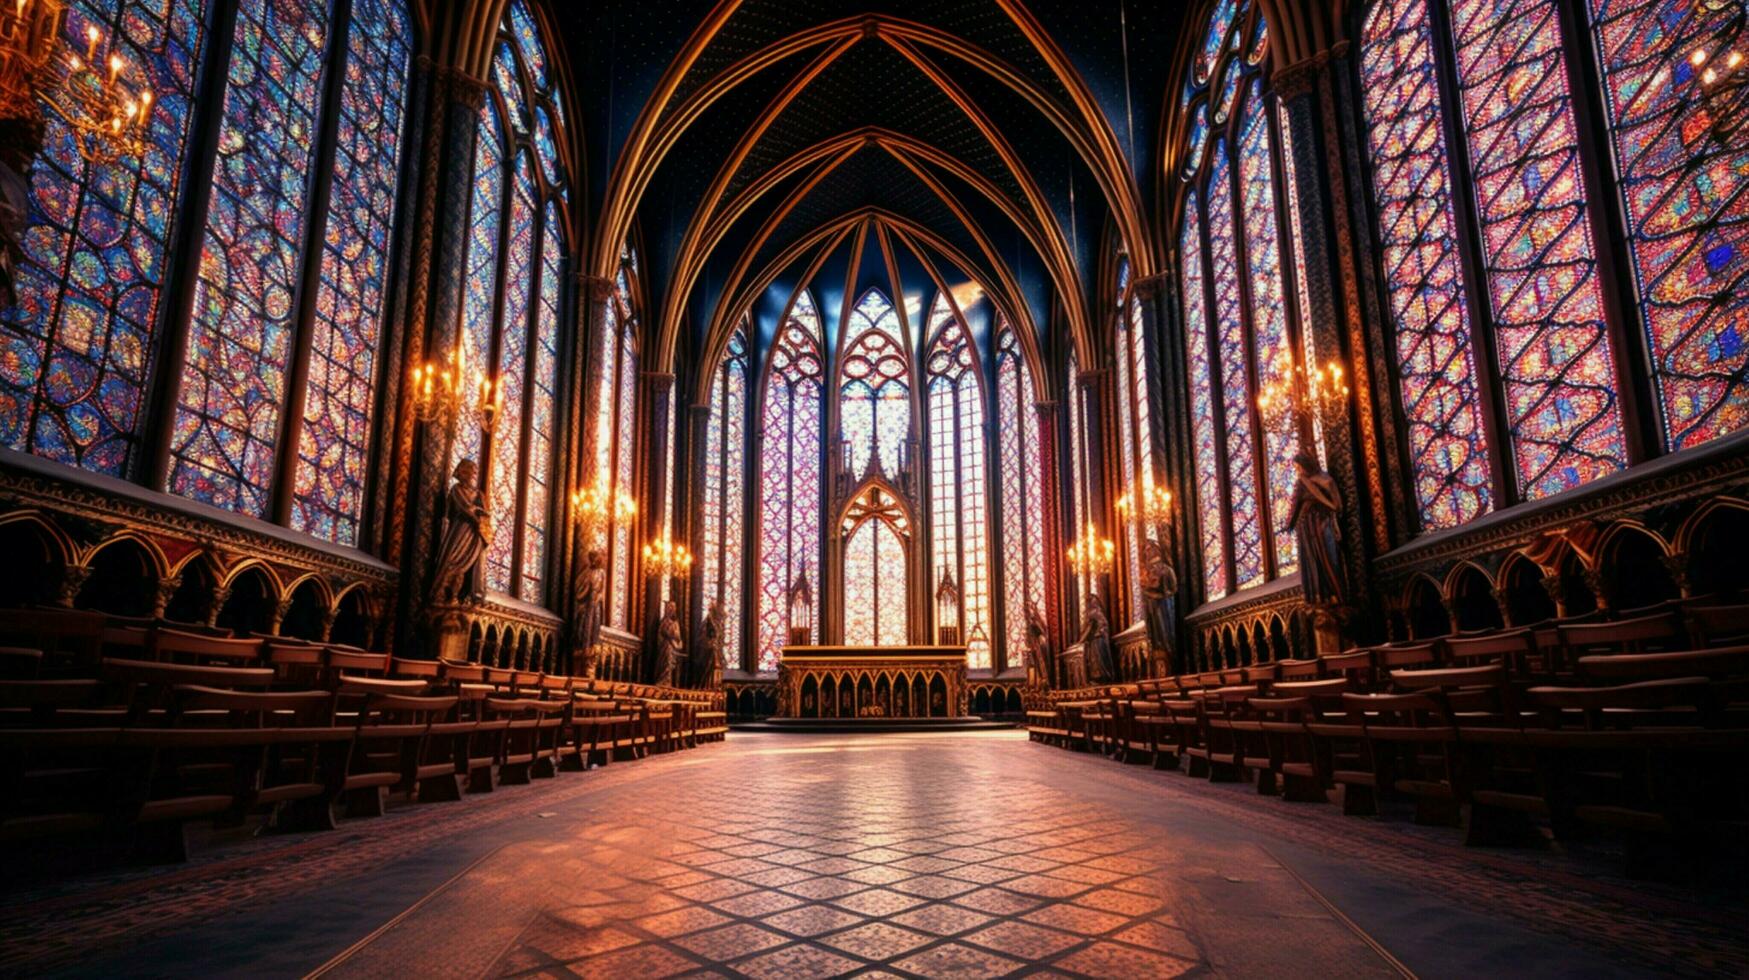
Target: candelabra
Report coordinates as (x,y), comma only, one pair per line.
(665,558)
(1721,89)
(1091,555)
(595,509)
(1152,509)
(29,30)
(1291,404)
(444,393)
(108,121)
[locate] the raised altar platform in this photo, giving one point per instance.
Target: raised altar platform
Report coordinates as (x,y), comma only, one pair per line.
(841,726)
(852,683)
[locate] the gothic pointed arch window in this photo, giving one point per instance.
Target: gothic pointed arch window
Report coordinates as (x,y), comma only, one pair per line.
(1242,329)
(876,580)
(1480,176)
(616,394)
(1018,443)
(1080,503)
(874,389)
(725,462)
(791,416)
(958,521)
(1135,425)
(512,304)
(271,397)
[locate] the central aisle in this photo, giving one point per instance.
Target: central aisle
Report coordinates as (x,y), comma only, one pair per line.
(936,855)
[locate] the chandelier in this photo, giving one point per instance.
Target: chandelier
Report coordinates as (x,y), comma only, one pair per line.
(1152,508)
(1301,395)
(595,509)
(87,91)
(1722,84)
(665,558)
(1092,555)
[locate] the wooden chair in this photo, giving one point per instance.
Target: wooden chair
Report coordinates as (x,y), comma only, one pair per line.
(70,641)
(1713,626)
(1413,751)
(177,646)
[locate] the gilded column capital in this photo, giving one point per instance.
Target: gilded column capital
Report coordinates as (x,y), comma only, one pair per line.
(597,288)
(463,89)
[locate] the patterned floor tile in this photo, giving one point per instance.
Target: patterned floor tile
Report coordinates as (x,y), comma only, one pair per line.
(1121,902)
(1114,960)
(714,889)
(876,941)
(681,921)
(731,941)
(997,901)
(878,901)
(879,874)
(954,961)
(1023,940)
(638,961)
(756,904)
(932,886)
(796,963)
(825,888)
(942,919)
(878,855)
(1087,922)
(811,920)
(1160,937)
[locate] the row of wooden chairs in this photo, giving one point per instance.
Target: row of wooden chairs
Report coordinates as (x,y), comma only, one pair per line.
(203,727)
(1627,725)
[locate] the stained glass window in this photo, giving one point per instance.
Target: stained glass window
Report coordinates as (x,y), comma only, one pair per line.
(725,460)
(503,477)
(335,444)
(544,373)
(958,522)
(1079,511)
(1135,429)
(789,473)
(874,390)
(1550,340)
(874,585)
(245,304)
(1021,495)
(1202,406)
(1436,368)
(1239,325)
(625,442)
(511,306)
(1269,327)
(1682,162)
(76,351)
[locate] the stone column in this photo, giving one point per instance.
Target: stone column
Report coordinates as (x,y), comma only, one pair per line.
(659,396)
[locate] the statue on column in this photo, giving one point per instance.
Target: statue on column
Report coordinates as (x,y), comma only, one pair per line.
(1096,641)
(1159,586)
(465,534)
(670,648)
(1038,649)
(591,602)
(1315,513)
(707,655)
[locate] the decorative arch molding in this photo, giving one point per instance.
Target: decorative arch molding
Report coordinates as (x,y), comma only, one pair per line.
(660,125)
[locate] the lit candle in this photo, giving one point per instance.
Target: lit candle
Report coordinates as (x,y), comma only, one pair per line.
(91,37)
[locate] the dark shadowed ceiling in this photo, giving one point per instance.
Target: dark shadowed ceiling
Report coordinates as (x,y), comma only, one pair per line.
(996,141)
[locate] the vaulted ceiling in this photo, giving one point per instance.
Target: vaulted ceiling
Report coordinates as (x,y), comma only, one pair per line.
(999,139)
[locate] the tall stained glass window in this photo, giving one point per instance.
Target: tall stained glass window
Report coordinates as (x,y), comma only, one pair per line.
(790,420)
(512,308)
(1079,511)
(245,310)
(1021,497)
(1681,155)
(875,583)
(725,462)
(616,392)
(1674,151)
(76,351)
(874,388)
(1240,329)
(958,522)
(271,405)
(1135,428)
(334,447)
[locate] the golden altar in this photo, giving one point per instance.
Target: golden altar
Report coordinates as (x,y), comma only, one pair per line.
(872,682)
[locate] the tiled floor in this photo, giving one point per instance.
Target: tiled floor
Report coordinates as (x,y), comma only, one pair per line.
(904,855)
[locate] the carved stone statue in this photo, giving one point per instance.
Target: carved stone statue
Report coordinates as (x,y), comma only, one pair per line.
(1315,514)
(1159,586)
(1038,649)
(707,654)
(465,534)
(1096,640)
(670,647)
(591,601)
